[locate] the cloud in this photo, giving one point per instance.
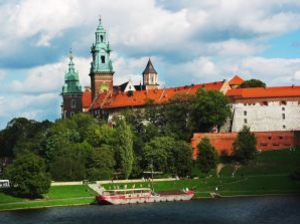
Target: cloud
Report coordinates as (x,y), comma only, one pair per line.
(40,107)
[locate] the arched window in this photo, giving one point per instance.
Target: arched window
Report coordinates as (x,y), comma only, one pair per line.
(73,103)
(101,38)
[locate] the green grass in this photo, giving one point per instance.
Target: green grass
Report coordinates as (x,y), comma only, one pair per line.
(58,195)
(74,191)
(267,174)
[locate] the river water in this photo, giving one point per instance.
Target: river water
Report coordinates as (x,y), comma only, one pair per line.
(258,210)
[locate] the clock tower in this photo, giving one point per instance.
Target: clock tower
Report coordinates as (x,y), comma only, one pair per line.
(101,71)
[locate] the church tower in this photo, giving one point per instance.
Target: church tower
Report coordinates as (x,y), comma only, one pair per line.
(101,72)
(150,77)
(71,91)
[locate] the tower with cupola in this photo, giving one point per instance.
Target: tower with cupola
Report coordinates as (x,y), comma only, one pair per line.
(71,91)
(150,77)
(101,71)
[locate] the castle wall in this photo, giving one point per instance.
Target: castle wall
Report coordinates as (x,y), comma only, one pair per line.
(223,142)
(266,116)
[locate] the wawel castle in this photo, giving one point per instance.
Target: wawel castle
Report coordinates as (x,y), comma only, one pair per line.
(273,112)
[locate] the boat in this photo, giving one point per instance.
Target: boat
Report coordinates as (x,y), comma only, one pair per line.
(142,195)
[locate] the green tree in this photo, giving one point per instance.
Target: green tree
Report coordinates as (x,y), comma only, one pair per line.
(177,112)
(124,148)
(28,175)
(158,152)
(252,83)
(70,161)
(182,153)
(102,163)
(207,156)
(209,108)
(245,145)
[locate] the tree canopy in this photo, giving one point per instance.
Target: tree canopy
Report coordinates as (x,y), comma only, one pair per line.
(28,175)
(245,145)
(207,156)
(252,83)
(209,109)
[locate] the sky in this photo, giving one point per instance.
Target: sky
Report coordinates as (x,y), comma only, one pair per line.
(189,41)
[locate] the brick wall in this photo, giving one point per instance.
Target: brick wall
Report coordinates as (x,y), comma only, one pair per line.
(265,141)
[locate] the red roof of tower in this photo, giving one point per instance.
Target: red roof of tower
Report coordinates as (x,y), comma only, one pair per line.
(86,98)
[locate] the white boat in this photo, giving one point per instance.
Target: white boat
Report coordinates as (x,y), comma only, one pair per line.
(142,195)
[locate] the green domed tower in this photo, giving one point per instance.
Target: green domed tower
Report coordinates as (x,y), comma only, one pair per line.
(101,71)
(71,91)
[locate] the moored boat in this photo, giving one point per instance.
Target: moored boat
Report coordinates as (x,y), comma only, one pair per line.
(142,195)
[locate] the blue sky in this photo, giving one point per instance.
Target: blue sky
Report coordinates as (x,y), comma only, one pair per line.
(189,41)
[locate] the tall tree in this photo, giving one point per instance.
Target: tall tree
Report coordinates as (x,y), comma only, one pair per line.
(245,145)
(252,83)
(28,174)
(182,153)
(177,111)
(124,148)
(102,163)
(209,109)
(207,156)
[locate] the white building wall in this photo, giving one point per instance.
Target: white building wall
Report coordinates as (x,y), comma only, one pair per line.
(266,117)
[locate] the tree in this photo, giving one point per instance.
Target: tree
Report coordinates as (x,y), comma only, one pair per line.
(70,161)
(252,83)
(158,153)
(28,175)
(124,148)
(245,145)
(207,156)
(182,153)
(102,163)
(177,111)
(209,108)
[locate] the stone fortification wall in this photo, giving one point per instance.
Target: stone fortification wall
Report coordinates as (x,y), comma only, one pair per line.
(223,142)
(271,116)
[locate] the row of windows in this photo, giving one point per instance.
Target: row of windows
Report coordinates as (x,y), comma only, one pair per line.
(245,112)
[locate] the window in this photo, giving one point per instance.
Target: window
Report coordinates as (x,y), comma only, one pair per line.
(283,116)
(245,121)
(283,126)
(269,137)
(101,38)
(71,114)
(102,59)
(245,113)
(283,103)
(283,109)
(73,103)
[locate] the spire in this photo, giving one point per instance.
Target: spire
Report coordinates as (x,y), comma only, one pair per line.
(149,68)
(71,63)
(101,51)
(72,84)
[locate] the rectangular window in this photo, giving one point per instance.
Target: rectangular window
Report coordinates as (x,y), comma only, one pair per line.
(283,126)
(245,121)
(283,116)
(245,113)
(283,109)
(102,59)
(73,103)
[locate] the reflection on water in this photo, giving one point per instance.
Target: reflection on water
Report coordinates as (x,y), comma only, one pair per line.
(275,209)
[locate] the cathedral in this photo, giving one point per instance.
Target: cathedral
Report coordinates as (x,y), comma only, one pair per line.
(261,109)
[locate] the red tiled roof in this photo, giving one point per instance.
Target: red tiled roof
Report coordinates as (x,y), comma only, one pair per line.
(283,91)
(86,98)
(236,80)
(140,98)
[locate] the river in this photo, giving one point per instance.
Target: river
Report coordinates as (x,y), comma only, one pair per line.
(259,210)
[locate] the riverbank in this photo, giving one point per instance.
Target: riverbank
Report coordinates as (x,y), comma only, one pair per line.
(268,174)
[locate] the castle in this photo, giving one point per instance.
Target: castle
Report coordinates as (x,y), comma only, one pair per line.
(262,109)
